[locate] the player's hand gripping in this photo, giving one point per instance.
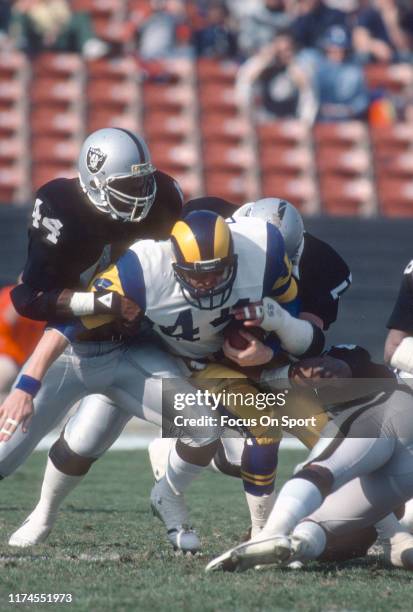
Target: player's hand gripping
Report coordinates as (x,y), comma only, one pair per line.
(256,353)
(16,410)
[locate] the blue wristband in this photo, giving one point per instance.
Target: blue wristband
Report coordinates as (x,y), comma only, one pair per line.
(28,384)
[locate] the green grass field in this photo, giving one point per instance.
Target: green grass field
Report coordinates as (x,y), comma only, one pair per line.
(111,554)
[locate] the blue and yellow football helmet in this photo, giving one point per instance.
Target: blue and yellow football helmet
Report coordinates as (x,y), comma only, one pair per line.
(205,264)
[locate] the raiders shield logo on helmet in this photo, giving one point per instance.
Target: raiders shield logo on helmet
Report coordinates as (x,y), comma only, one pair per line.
(95,159)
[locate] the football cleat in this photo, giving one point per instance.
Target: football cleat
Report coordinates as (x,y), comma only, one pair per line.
(276,549)
(34,530)
(398,550)
(172,511)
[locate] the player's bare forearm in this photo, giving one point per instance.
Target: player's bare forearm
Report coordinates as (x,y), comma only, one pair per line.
(394,338)
(50,346)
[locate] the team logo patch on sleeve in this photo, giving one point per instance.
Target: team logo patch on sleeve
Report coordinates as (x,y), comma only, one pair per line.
(102,284)
(95,159)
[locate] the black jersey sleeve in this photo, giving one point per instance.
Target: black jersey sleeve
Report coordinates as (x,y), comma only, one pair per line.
(36,297)
(402,316)
(324,277)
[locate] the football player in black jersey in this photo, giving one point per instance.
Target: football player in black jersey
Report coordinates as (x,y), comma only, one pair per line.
(118,198)
(398,348)
(79,226)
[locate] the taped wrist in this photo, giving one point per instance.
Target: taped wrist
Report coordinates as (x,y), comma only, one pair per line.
(402,358)
(96,303)
(296,335)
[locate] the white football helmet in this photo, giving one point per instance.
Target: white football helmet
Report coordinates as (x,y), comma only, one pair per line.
(283,215)
(116,173)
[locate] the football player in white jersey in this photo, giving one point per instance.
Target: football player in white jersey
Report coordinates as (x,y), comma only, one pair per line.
(186,287)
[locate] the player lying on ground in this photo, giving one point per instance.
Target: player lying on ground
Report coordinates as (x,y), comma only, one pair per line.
(181,285)
(377,449)
(375,475)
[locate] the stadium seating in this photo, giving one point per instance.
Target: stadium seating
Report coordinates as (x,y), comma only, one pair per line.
(188,113)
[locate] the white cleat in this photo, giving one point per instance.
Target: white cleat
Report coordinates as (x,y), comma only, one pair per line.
(398,550)
(276,549)
(172,511)
(33,531)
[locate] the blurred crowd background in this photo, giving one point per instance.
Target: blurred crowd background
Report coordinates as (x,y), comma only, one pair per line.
(307,99)
(310,100)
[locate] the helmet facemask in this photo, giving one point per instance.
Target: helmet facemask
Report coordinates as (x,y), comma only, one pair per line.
(207,298)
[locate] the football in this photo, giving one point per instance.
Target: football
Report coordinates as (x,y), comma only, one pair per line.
(231,333)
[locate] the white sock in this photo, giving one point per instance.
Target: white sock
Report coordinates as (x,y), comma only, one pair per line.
(407,520)
(315,539)
(388,527)
(180,473)
(297,499)
(260,508)
(55,488)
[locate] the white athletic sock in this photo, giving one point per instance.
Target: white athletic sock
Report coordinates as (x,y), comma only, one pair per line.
(180,473)
(55,488)
(387,527)
(314,540)
(407,520)
(260,508)
(297,499)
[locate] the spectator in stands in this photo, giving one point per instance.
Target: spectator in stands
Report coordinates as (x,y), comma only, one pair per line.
(51,25)
(280,83)
(18,337)
(379,33)
(260,26)
(165,32)
(338,80)
(215,35)
(314,19)
(5,17)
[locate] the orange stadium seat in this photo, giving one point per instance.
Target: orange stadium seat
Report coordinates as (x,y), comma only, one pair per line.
(173,157)
(13,183)
(394,164)
(301,191)
(392,139)
(116,69)
(395,196)
(282,157)
(212,70)
(221,127)
(55,149)
(220,155)
(44,172)
(12,64)
(57,64)
(214,96)
(161,124)
(346,196)
(346,160)
(45,121)
(12,121)
(170,97)
(232,185)
(288,132)
(11,92)
(391,77)
(103,92)
(56,92)
(107,117)
(341,133)
(12,149)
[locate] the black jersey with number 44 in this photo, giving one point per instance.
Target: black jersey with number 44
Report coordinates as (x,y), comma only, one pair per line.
(69,238)
(402,316)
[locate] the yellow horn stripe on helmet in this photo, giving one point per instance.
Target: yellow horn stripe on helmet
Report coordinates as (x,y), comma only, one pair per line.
(222,239)
(186,241)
